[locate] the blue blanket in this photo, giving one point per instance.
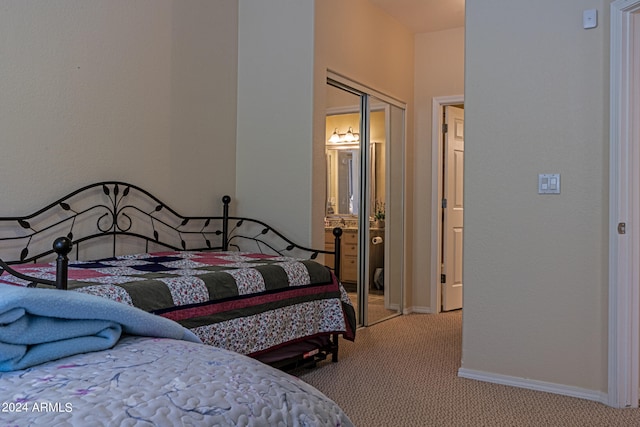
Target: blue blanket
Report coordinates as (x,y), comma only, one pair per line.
(38,325)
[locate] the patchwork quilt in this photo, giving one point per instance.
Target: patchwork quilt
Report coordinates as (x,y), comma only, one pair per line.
(244,302)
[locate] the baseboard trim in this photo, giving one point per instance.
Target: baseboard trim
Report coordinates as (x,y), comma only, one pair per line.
(548,387)
(419,310)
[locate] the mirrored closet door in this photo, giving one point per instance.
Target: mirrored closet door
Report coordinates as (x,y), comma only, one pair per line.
(365,195)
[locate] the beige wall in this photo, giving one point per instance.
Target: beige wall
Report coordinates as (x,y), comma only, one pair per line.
(115,89)
(439,71)
(536,98)
(275,115)
(204,73)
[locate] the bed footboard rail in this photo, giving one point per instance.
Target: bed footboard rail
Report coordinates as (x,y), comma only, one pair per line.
(252,235)
(62,246)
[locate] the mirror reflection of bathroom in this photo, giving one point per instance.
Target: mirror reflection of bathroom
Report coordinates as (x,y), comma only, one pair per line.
(356,200)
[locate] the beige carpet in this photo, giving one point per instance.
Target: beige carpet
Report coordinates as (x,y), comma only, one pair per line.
(403,372)
(376,310)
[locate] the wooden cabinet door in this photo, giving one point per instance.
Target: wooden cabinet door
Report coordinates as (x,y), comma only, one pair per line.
(349,256)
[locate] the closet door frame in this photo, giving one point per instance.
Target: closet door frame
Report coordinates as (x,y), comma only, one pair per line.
(366,93)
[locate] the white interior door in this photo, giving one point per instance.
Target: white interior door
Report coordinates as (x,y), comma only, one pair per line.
(453,209)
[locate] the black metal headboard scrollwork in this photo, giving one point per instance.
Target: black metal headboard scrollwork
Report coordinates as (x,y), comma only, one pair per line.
(121,216)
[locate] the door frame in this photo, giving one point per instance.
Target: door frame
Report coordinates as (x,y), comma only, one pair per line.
(437,147)
(624,206)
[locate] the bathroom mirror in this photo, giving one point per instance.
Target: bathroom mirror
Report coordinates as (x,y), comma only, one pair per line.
(344,169)
(343,178)
(343,173)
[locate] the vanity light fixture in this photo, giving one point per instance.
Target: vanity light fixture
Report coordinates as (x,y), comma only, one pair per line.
(335,137)
(350,136)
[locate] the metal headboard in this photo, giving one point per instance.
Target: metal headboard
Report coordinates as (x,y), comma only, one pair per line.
(115,210)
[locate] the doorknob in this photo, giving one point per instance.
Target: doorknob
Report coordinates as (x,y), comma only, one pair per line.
(622,228)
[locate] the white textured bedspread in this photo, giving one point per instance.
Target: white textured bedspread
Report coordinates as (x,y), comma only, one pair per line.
(161,382)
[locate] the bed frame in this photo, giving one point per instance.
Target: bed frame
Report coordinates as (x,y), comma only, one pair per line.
(117,217)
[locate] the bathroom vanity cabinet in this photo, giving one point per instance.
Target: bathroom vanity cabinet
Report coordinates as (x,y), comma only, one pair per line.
(349,254)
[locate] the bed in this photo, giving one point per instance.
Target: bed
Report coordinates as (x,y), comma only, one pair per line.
(72,359)
(237,283)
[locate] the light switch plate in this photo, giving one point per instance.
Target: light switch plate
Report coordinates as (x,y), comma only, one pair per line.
(590,19)
(549,183)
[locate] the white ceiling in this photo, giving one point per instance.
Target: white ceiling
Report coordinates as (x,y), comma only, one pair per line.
(423,16)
